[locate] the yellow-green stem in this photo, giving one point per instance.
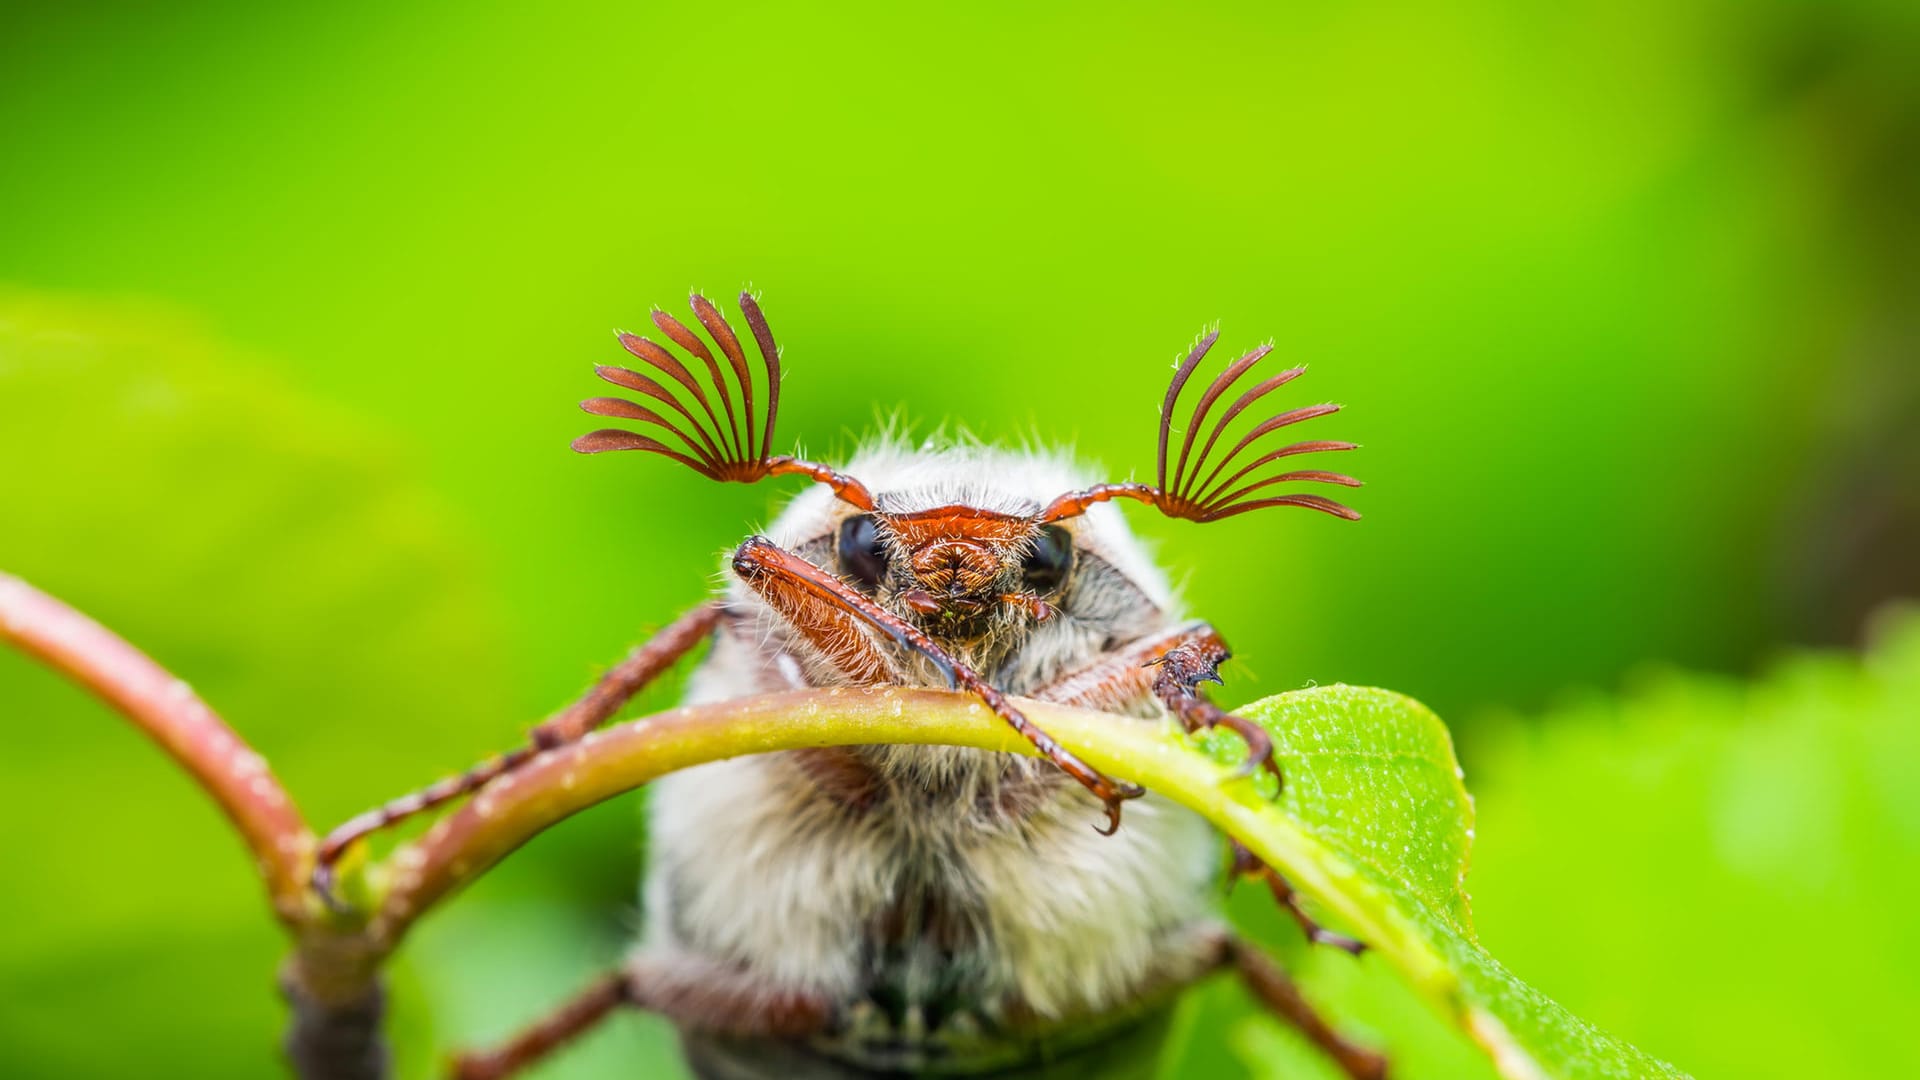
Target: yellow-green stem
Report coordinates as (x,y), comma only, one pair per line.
(567,780)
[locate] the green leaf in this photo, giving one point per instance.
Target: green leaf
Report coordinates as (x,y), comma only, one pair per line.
(1386,831)
(1751,851)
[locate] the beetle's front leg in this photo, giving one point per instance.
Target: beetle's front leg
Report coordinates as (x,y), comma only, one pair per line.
(824,609)
(1181,669)
(1170,665)
(1143,667)
(1177,684)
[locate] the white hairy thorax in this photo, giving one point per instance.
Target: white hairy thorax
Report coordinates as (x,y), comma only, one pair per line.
(975,885)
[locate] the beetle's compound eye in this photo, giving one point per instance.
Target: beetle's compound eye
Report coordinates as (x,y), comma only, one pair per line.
(1052,556)
(861,556)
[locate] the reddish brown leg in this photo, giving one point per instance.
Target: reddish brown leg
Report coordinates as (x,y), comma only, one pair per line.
(1132,672)
(699,996)
(1182,669)
(592,709)
(1247,864)
(1283,999)
(1126,675)
(794,585)
(1169,665)
(565,1024)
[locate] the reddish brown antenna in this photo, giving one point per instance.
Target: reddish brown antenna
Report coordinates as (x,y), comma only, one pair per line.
(726,446)
(1197,493)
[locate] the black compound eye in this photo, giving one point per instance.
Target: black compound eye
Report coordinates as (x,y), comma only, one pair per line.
(1052,556)
(861,556)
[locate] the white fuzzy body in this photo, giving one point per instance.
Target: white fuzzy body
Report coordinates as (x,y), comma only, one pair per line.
(938,896)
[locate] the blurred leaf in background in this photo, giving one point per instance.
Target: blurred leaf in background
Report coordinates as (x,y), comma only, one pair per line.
(280,555)
(1726,871)
(1619,296)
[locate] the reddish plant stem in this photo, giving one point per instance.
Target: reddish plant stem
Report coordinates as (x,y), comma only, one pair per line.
(167,709)
(564,781)
(331,981)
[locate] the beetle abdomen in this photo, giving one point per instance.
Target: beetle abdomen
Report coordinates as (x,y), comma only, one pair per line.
(1115,1048)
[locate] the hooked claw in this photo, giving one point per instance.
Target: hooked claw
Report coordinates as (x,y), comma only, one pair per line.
(1184,668)
(1259,750)
(1117,794)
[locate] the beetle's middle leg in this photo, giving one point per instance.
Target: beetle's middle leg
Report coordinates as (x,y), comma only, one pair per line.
(1283,999)
(829,607)
(1247,864)
(592,709)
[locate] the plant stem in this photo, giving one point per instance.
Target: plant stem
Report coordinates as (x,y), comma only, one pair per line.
(565,781)
(331,981)
(168,710)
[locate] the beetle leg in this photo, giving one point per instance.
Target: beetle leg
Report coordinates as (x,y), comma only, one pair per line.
(571,1020)
(792,582)
(1247,864)
(1283,999)
(1181,671)
(1131,673)
(593,708)
(698,995)
(1169,665)
(1125,676)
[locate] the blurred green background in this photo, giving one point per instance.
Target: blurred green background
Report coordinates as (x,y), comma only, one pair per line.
(295,304)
